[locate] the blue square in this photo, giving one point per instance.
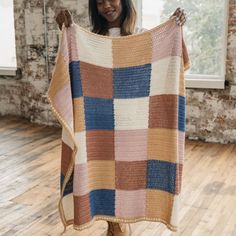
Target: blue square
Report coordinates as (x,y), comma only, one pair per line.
(161,175)
(76,85)
(102,202)
(132,82)
(181,115)
(99,113)
(69,185)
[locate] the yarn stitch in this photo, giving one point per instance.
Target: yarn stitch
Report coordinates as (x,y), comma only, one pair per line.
(121,103)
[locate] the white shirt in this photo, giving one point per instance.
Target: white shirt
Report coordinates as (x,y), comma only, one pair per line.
(115,31)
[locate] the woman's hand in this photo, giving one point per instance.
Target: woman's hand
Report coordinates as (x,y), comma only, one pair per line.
(64,16)
(180,16)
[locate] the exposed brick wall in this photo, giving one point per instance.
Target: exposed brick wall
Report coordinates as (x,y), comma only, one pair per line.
(210,115)
(36,50)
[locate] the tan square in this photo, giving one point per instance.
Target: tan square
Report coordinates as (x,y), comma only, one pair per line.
(163,144)
(182,91)
(79,117)
(159,204)
(129,52)
(59,70)
(101,175)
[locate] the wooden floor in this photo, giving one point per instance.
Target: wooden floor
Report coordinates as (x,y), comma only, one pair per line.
(29,186)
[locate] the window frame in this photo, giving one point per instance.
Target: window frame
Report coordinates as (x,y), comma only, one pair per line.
(8,71)
(201,80)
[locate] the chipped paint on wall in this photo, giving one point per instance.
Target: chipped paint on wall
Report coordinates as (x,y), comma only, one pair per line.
(34,27)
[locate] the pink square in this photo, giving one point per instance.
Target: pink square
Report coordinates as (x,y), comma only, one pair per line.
(130,203)
(131,145)
(166,42)
(181,146)
(80,181)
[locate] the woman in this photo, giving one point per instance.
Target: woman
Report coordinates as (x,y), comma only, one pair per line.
(110,14)
(113,18)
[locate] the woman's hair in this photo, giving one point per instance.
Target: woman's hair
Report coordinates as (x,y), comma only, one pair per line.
(100,24)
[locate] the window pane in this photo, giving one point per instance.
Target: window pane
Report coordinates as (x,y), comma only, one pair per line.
(204,30)
(7,32)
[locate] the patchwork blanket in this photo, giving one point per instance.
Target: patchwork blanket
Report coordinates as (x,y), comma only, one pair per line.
(121,104)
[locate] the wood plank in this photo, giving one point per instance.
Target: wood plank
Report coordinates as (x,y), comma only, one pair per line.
(29,180)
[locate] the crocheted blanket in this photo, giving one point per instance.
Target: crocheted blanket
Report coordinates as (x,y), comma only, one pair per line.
(121,104)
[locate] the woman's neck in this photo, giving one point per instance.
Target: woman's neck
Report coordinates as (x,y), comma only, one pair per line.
(116,23)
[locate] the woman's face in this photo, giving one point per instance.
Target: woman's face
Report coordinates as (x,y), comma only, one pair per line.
(110,9)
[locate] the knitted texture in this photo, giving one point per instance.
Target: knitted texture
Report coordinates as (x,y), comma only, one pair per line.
(121,104)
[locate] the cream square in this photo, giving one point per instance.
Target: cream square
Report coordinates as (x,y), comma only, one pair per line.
(66,138)
(81,155)
(131,113)
(68,206)
(165,76)
(102,56)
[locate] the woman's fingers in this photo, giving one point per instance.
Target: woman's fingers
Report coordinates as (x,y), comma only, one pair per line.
(177,11)
(59,19)
(183,22)
(180,16)
(68,18)
(183,19)
(65,17)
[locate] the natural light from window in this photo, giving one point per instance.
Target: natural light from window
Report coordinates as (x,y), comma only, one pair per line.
(204,31)
(7,39)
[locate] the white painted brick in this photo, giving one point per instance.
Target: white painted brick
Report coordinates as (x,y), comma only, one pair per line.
(34,27)
(233,90)
(192,111)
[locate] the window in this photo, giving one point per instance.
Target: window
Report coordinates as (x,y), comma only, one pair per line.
(7,39)
(205,35)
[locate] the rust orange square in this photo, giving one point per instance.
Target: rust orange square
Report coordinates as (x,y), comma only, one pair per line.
(96,81)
